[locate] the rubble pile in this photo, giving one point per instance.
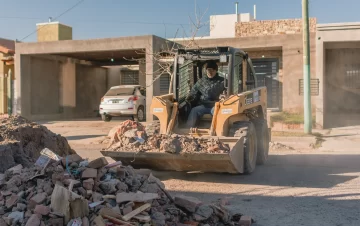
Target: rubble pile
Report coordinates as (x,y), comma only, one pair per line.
(72,191)
(132,136)
(21,142)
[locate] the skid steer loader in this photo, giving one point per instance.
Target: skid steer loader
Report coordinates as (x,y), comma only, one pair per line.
(239,118)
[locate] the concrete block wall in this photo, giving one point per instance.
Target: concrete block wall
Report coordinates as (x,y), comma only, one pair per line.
(272,27)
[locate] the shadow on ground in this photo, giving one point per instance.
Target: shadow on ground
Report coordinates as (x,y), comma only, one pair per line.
(290,211)
(295,170)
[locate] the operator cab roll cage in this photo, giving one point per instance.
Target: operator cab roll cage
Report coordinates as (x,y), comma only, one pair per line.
(221,54)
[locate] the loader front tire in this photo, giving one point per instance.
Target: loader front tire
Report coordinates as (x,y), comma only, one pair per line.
(246,130)
(263,139)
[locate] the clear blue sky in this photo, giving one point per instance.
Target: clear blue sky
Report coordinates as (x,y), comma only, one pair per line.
(114,18)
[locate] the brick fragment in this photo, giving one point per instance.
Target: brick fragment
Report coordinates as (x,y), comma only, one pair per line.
(187,202)
(12,201)
(43,210)
(98,163)
(34,220)
(245,221)
(37,199)
(89,173)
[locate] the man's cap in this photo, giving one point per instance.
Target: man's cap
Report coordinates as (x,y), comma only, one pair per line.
(211,64)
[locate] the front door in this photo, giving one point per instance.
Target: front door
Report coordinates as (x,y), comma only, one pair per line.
(267,71)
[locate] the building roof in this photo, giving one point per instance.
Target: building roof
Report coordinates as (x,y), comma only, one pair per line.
(7,46)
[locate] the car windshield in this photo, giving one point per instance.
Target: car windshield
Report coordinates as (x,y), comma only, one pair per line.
(120,91)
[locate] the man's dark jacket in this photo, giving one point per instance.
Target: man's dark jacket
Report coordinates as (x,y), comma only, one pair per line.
(206,91)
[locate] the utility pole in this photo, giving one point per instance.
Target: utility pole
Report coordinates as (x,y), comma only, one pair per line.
(306,50)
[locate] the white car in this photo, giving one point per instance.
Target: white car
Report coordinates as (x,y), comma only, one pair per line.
(124,100)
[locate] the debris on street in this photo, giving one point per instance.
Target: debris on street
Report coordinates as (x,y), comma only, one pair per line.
(21,142)
(279,146)
(66,193)
(132,136)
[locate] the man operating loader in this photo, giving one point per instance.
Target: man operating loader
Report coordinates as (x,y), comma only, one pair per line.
(204,94)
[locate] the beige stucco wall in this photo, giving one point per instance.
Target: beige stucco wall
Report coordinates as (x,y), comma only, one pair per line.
(53,32)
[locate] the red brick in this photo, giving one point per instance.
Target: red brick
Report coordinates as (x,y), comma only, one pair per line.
(89,173)
(12,201)
(245,221)
(98,163)
(37,199)
(43,210)
(88,184)
(34,220)
(189,203)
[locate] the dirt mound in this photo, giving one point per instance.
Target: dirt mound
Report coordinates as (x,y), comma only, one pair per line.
(72,191)
(21,142)
(132,136)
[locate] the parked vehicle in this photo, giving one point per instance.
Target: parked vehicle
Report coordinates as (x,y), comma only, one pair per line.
(124,100)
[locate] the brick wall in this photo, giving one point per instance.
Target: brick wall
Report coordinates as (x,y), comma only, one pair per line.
(271,27)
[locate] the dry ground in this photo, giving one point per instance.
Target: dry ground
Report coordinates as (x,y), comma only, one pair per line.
(300,187)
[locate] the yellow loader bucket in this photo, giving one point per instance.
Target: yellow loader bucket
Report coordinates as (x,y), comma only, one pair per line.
(232,162)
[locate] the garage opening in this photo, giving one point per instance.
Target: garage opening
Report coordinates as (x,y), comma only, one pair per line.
(267,71)
(342,88)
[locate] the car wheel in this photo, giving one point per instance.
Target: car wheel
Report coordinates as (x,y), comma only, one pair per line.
(106,118)
(140,115)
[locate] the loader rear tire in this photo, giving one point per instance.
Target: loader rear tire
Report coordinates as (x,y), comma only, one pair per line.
(246,130)
(263,140)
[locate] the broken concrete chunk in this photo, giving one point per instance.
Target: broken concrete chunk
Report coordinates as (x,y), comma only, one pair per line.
(88,184)
(158,218)
(98,163)
(109,187)
(89,173)
(127,210)
(16,216)
(245,221)
(96,196)
(21,206)
(70,159)
(135,197)
(187,202)
(16,169)
(203,213)
(43,210)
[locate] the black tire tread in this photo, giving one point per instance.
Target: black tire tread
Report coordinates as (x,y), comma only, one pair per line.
(241,129)
(263,152)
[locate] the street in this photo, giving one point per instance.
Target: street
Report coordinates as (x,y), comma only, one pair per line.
(296,187)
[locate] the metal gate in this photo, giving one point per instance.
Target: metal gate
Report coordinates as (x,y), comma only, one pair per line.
(267,75)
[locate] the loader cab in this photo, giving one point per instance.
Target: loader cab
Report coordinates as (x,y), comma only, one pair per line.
(233,65)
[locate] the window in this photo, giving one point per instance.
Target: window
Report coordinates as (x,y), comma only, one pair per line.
(130,77)
(120,91)
(164,84)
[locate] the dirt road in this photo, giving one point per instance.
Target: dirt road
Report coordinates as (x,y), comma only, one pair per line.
(300,187)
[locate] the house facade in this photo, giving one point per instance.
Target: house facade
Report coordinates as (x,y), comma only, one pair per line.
(7,74)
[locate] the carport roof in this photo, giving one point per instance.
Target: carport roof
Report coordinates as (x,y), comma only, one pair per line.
(87,46)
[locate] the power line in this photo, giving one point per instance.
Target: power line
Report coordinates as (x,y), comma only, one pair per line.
(78,3)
